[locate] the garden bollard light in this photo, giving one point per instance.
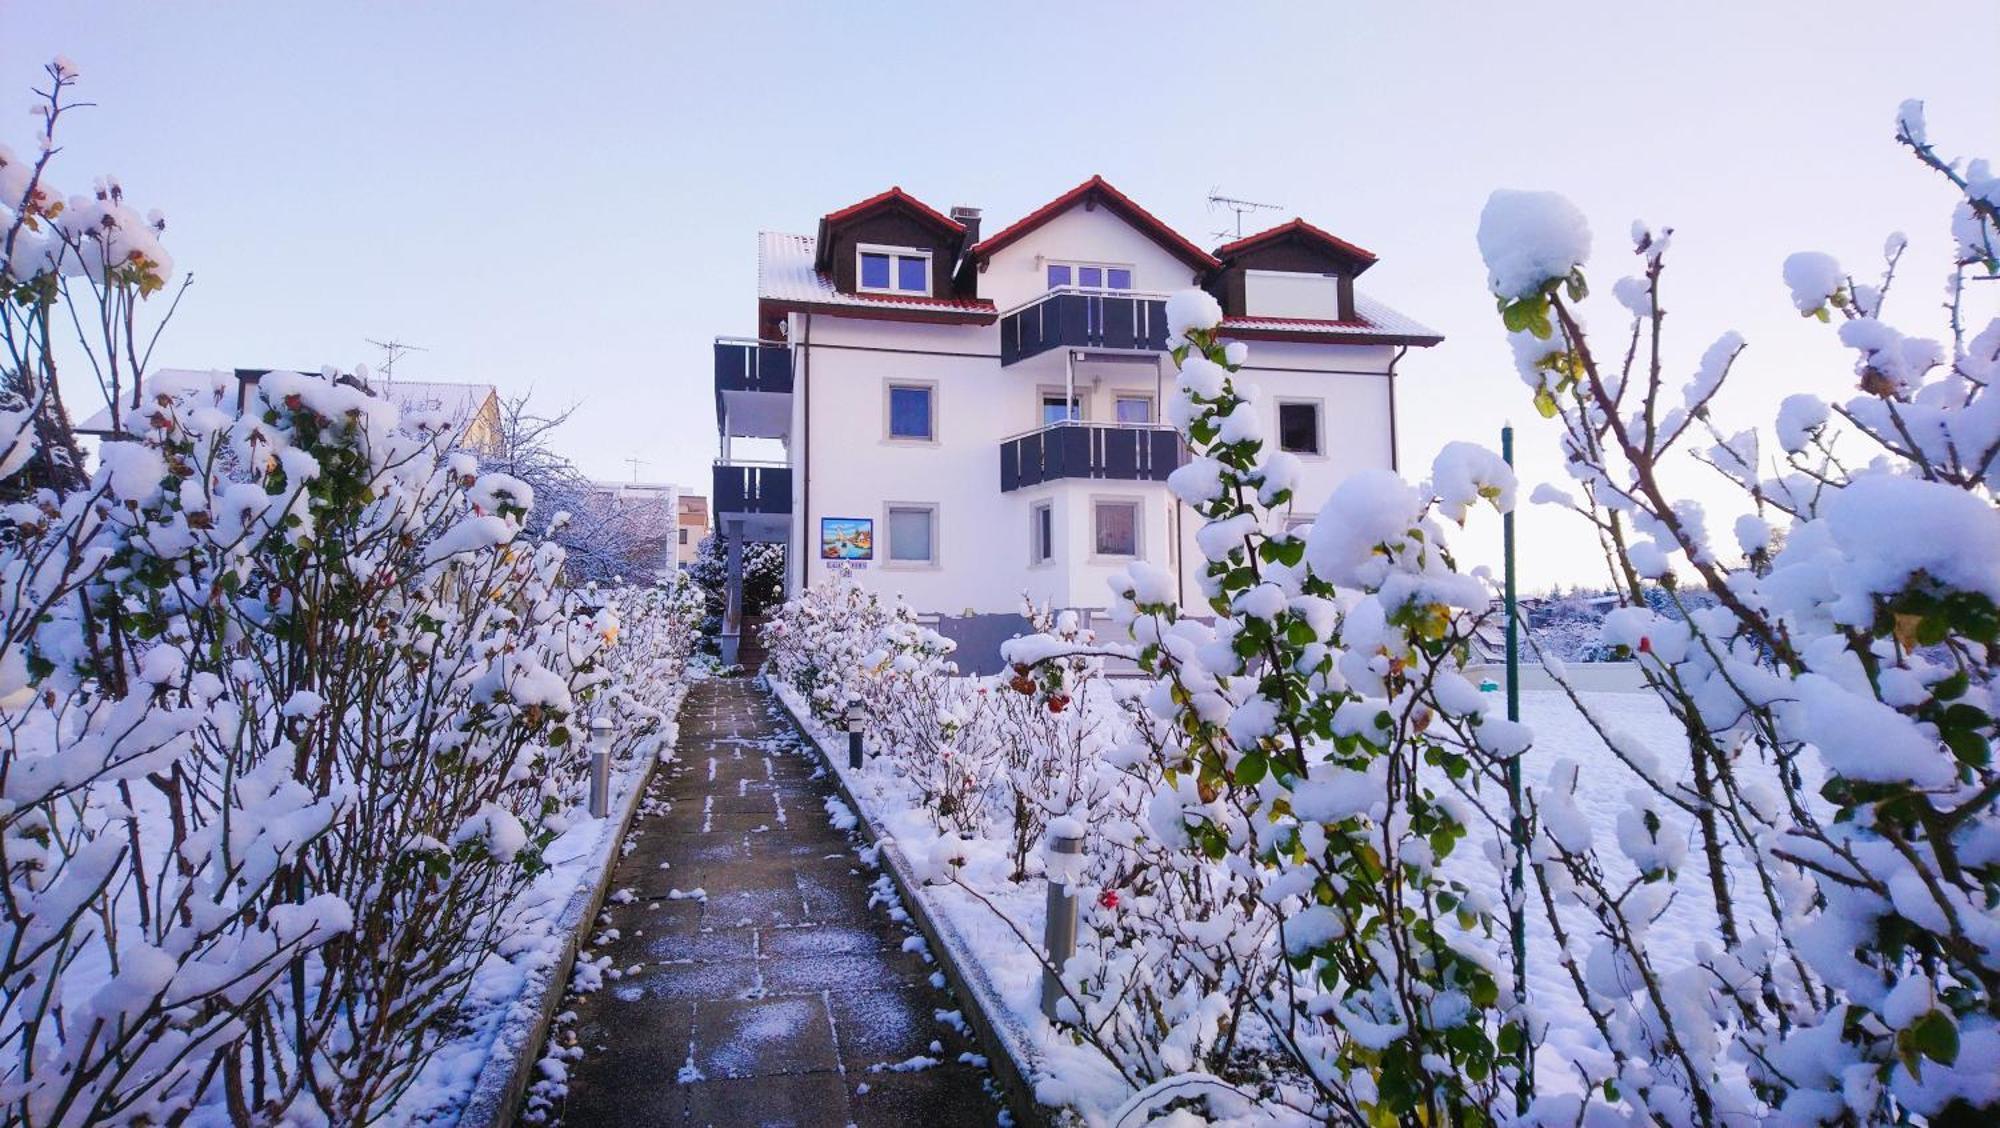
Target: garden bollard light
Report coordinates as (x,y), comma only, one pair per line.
(1059,937)
(600,769)
(855,717)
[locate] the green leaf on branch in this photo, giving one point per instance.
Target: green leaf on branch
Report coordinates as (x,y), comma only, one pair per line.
(1251,770)
(1529,314)
(1577,287)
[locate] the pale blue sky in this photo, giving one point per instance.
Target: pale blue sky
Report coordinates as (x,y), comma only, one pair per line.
(566,197)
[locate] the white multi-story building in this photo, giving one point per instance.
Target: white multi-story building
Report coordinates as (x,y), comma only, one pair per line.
(964,419)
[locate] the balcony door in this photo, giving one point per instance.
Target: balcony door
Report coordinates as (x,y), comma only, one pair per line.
(1056,408)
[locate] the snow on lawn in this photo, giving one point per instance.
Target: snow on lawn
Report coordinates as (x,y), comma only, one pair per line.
(1602,786)
(998,920)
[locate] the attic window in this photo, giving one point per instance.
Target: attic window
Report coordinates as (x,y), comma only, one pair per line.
(1284,293)
(892,270)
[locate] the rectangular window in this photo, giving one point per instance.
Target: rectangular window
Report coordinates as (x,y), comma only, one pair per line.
(912,412)
(875,271)
(684,536)
(893,270)
(1058,409)
(1298,428)
(913,534)
(1284,293)
(1116,528)
(1042,533)
(1090,276)
(1135,409)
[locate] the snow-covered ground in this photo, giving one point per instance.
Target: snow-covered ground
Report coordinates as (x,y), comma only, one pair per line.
(999,919)
(505,999)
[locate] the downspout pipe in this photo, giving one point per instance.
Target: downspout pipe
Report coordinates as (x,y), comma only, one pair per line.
(804,521)
(1395,463)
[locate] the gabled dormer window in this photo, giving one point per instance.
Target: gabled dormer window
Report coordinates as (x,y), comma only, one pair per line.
(892,270)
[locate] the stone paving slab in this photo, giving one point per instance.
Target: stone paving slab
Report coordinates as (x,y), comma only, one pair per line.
(783,997)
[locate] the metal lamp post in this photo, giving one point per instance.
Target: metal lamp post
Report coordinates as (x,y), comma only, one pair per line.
(600,766)
(856,717)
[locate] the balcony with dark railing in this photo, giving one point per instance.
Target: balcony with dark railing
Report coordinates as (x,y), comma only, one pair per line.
(1070,317)
(1118,452)
(752,488)
(750,376)
(744,365)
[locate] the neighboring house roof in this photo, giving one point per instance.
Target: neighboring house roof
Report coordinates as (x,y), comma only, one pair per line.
(786,276)
(694,505)
(1303,230)
(458,402)
(1376,324)
(1093,191)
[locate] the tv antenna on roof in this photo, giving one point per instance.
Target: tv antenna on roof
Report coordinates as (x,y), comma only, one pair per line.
(1216,199)
(392,350)
(635,464)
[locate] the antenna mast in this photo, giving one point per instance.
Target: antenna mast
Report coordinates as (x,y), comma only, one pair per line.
(392,350)
(1216,199)
(635,463)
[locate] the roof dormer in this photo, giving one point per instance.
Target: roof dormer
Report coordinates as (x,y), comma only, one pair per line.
(1091,195)
(890,245)
(1293,271)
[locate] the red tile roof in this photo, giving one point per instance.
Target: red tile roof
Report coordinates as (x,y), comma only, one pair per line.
(897,195)
(1299,227)
(1118,201)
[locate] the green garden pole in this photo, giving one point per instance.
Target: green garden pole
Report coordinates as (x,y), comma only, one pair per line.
(1517,824)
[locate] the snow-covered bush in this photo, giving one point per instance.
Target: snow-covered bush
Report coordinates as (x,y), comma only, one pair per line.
(1838,697)
(763,580)
(1051,733)
(1276,917)
(985,757)
(821,642)
(288,710)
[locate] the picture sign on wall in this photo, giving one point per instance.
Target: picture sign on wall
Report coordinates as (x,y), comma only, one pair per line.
(846,538)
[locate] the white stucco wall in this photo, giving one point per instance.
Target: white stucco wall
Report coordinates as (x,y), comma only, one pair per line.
(839,423)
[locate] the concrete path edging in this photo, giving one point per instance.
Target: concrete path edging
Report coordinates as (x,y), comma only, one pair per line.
(1012,1062)
(503,1081)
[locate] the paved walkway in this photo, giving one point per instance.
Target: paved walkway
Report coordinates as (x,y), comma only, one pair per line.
(784,996)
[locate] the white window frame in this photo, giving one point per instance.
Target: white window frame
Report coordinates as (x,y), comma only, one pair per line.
(889,434)
(1077,264)
(1319,424)
(1037,513)
(889,559)
(1098,501)
(1253,309)
(1047,392)
(1152,404)
(895,269)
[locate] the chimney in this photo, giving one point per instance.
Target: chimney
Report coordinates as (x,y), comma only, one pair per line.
(970,218)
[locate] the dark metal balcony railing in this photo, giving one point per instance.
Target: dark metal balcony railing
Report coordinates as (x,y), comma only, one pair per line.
(1084,319)
(749,487)
(1120,452)
(743,365)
